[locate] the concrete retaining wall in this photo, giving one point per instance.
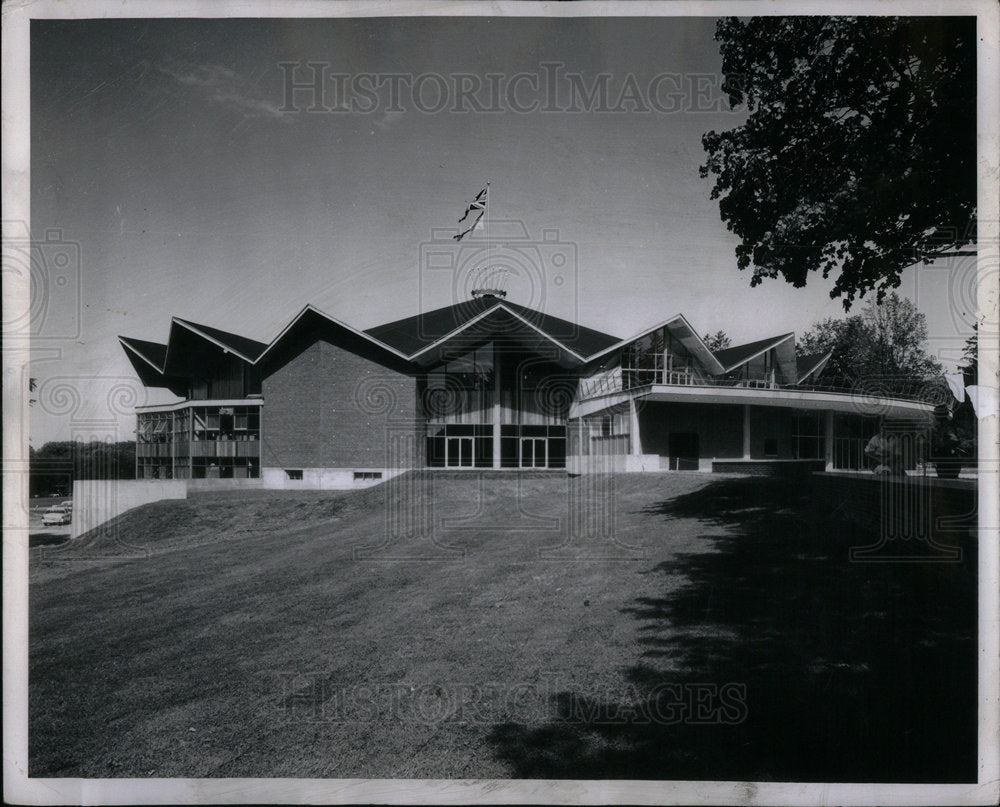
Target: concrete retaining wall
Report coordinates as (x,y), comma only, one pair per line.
(327,478)
(792,468)
(905,517)
(196,485)
(98,501)
(625,464)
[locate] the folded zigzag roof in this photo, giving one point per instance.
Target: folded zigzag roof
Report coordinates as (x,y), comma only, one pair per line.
(424,335)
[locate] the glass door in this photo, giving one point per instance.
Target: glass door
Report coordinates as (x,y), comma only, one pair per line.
(458,452)
(533,453)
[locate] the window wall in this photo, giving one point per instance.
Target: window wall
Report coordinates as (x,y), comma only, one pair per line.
(199,442)
(497,393)
(657,358)
(809,435)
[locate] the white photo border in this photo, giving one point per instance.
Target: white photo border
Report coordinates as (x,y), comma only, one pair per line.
(18,788)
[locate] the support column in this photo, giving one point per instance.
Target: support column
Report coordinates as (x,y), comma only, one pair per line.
(828,440)
(496,406)
(635,437)
(746,431)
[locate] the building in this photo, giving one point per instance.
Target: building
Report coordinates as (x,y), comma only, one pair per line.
(488,383)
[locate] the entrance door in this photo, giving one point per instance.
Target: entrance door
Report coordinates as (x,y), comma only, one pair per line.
(533,452)
(683,451)
(458,452)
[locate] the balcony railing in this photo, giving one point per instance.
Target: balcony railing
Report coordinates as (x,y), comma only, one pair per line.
(619,380)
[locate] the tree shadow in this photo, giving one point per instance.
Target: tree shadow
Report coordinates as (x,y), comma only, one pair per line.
(47,539)
(836,671)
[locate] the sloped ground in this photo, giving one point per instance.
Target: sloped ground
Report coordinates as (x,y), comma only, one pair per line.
(499,626)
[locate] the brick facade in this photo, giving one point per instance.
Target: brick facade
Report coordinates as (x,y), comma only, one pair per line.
(330,402)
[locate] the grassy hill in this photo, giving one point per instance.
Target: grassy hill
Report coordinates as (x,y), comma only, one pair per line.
(499,626)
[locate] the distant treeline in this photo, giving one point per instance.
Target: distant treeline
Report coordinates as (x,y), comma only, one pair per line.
(54,466)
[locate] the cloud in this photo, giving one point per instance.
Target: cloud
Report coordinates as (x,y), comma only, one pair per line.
(225,87)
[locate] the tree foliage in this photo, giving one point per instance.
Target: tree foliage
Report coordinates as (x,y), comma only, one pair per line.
(717,341)
(858,155)
(54,466)
(969,368)
(887,340)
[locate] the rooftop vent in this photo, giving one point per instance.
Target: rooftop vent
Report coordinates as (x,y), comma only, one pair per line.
(490,281)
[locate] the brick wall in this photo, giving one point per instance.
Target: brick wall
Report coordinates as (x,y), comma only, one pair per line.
(332,401)
(785,468)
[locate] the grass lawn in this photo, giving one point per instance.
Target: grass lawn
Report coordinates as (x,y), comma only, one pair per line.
(447,625)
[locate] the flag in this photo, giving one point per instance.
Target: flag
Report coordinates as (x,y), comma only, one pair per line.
(956,383)
(479,203)
(984,399)
(475,224)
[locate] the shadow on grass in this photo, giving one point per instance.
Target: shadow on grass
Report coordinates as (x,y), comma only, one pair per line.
(47,539)
(852,671)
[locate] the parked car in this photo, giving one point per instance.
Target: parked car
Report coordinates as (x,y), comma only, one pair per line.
(56,515)
(68,505)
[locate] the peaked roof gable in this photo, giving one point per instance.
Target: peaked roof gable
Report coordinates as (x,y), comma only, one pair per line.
(682,329)
(416,334)
(732,357)
(148,359)
(811,364)
(153,353)
(245,348)
(311,311)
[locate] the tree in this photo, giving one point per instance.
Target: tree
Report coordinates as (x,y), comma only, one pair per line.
(54,466)
(886,340)
(717,341)
(858,155)
(969,368)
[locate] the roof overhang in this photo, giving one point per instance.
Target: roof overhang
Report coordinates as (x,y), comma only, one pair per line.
(786,355)
(188,349)
(816,368)
(226,347)
(149,372)
(806,400)
(191,404)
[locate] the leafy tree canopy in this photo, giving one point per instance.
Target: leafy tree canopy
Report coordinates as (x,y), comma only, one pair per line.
(54,466)
(885,341)
(858,156)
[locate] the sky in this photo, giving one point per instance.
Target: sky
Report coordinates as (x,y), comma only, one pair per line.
(172,174)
